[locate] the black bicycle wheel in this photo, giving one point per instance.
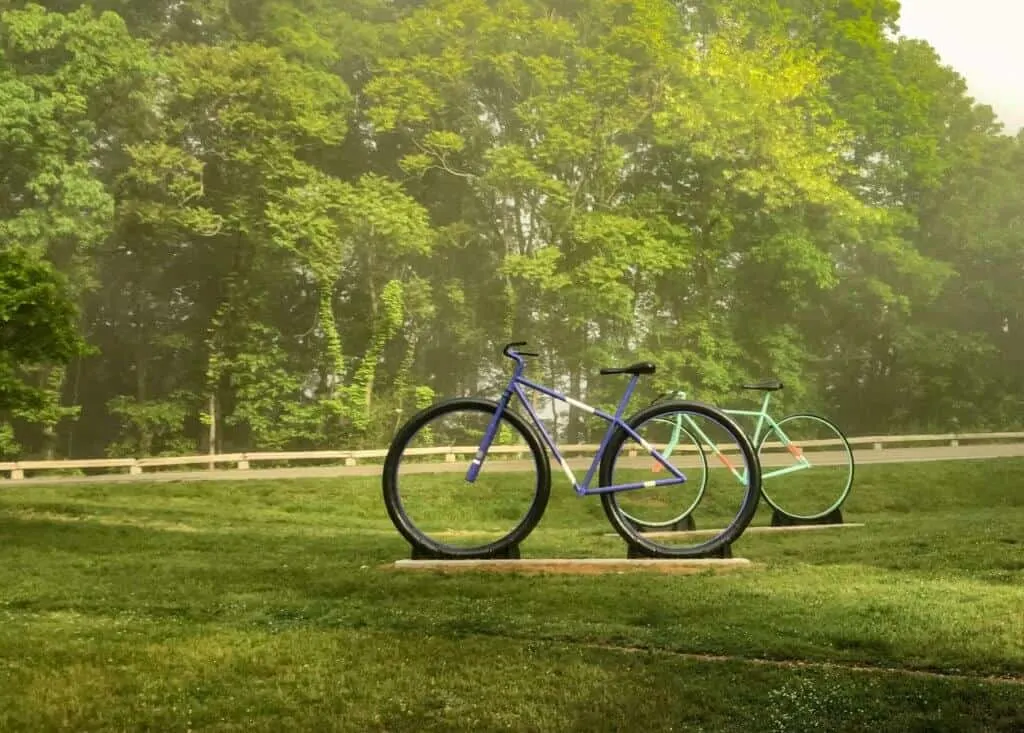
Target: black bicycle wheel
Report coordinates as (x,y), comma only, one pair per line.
(811,491)
(408,472)
(720,438)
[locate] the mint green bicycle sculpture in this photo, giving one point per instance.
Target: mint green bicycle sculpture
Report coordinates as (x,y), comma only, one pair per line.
(807,471)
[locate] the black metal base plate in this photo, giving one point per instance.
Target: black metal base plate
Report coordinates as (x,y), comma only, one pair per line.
(509,553)
(634,552)
(683,524)
(781,519)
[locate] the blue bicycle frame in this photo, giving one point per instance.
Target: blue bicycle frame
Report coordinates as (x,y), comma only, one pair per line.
(516,387)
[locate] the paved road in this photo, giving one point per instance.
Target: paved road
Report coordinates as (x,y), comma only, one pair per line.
(862,456)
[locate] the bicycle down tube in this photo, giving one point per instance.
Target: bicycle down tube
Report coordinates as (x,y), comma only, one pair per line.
(786,442)
(516,385)
(762,416)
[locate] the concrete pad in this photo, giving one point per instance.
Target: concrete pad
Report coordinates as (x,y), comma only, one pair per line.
(578,566)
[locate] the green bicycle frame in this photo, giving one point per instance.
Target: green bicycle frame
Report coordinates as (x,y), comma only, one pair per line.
(764,421)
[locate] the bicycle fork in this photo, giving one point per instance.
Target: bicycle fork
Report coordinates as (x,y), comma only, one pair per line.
(485,445)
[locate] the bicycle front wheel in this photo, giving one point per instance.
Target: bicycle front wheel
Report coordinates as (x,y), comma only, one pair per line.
(807,470)
(429,498)
(728,493)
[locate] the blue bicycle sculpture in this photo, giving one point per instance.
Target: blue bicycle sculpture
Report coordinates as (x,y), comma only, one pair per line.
(498,438)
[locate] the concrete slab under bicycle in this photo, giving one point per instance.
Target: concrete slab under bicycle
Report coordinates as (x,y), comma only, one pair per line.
(579,566)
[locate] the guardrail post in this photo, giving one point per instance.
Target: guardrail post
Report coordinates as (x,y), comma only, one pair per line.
(954,443)
(135,469)
(350,461)
(877,446)
(17,474)
(243,465)
(449,458)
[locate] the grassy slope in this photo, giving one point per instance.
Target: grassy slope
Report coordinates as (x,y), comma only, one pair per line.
(262,606)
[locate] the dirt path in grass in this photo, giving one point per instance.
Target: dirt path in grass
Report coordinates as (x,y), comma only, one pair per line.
(1016,680)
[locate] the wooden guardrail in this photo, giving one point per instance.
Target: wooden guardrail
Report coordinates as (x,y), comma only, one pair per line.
(243,461)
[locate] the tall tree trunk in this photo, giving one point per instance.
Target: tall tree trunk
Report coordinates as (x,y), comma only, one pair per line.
(212,434)
(374,322)
(553,376)
(142,425)
(574,431)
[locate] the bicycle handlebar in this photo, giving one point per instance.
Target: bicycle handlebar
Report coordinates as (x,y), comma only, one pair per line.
(514,354)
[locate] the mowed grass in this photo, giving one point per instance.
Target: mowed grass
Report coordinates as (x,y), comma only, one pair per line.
(271,606)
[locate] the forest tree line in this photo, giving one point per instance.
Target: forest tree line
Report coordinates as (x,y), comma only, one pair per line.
(291,223)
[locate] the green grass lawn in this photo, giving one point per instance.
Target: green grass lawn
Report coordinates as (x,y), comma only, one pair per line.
(266,606)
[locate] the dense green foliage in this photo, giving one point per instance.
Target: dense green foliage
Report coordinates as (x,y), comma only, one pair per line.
(38,335)
(288,223)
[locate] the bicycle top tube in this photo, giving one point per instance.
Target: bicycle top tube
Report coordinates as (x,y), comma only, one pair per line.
(762,411)
(615,421)
(518,379)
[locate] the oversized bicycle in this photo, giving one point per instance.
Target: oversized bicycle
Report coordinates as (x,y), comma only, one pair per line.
(422,495)
(817,460)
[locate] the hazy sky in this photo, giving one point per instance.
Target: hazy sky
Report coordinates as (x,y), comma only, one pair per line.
(983,40)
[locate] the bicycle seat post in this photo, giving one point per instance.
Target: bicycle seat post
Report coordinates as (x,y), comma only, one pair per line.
(626,395)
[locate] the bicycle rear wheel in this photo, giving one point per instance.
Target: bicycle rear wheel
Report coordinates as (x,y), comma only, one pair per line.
(810,473)
(730,493)
(432,504)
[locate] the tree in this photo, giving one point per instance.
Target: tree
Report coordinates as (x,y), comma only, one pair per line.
(38,327)
(71,86)
(288,222)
